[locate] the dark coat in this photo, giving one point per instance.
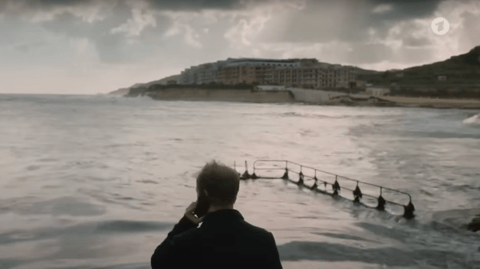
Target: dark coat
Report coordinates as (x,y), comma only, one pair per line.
(224,240)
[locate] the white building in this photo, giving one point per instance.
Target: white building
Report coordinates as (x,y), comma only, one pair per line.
(314,77)
(442,78)
(376,91)
(262,62)
(207,73)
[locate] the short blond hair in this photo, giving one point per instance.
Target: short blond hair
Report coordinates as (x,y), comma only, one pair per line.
(221,182)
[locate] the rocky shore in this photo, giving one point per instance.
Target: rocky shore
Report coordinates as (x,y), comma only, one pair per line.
(433,102)
(373,101)
(224,95)
(313,97)
(474,225)
(394,101)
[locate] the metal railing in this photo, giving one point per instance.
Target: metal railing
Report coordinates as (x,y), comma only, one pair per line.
(336,188)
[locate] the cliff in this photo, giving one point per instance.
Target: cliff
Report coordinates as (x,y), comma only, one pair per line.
(162,81)
(122,91)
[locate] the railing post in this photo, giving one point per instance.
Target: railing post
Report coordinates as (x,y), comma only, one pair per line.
(408,210)
(357,193)
(246,175)
(254,176)
(300,177)
(381,201)
(285,175)
(336,186)
(314,184)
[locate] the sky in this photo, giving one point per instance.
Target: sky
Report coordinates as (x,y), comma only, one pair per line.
(97,46)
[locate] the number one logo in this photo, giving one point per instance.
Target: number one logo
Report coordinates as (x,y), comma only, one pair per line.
(440,26)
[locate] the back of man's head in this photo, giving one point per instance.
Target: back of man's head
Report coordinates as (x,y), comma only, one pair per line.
(221,183)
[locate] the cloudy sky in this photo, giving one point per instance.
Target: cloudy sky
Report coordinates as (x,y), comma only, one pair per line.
(96,46)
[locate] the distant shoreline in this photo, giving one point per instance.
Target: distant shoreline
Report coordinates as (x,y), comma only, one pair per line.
(434,102)
(254,96)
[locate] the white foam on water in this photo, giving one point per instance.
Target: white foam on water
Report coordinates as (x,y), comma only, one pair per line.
(474,120)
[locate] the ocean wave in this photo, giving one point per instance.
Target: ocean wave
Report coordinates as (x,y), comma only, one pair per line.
(474,120)
(306,115)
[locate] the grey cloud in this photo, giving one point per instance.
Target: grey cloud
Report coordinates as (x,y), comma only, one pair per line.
(195,4)
(29,46)
(42,5)
(115,47)
(110,47)
(171,5)
(322,21)
(411,41)
(106,43)
(406,9)
(375,53)
(369,53)
(471,31)
(61,2)
(50,3)
(415,56)
(14,32)
(3,5)
(214,45)
(343,20)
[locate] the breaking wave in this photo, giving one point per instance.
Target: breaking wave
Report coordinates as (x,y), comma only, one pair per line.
(474,120)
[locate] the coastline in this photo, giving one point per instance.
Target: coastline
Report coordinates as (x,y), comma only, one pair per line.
(226,95)
(434,102)
(287,96)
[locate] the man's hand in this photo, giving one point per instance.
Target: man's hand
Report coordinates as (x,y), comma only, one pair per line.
(189,213)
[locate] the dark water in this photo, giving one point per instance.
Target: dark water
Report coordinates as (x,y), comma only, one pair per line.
(98,182)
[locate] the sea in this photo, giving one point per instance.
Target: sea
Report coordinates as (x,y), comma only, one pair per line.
(98,181)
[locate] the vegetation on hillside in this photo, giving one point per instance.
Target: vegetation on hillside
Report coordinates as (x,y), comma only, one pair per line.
(441,92)
(462,74)
(211,86)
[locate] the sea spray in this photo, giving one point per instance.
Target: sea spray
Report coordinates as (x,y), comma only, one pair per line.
(474,120)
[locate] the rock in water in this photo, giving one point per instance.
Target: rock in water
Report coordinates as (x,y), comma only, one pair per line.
(474,225)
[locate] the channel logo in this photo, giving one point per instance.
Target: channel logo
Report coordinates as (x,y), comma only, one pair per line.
(440,26)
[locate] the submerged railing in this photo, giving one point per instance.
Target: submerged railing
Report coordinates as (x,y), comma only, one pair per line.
(292,167)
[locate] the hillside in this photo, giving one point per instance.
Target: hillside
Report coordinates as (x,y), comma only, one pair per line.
(458,69)
(462,69)
(162,81)
(458,76)
(121,91)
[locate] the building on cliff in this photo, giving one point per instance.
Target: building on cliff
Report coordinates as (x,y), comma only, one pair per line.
(234,71)
(308,73)
(202,74)
(270,88)
(313,77)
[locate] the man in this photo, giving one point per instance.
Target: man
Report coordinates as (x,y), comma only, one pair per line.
(224,239)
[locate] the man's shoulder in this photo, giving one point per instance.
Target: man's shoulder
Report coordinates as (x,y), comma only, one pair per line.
(256,230)
(187,238)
